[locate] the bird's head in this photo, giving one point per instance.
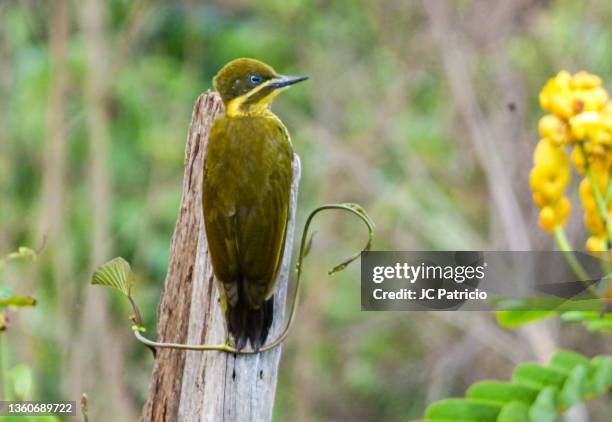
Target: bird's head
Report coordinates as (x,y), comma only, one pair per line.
(248,86)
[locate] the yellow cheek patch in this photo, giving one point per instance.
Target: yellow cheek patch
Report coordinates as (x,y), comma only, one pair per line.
(234,107)
(240,106)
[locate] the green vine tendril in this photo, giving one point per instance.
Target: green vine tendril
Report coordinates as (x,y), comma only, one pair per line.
(117,274)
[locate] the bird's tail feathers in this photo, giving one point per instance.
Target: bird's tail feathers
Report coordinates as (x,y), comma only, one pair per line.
(252,324)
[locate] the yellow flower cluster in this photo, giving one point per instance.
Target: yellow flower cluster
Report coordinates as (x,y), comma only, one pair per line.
(548,179)
(581,119)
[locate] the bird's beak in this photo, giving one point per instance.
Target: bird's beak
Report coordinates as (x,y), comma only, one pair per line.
(283,81)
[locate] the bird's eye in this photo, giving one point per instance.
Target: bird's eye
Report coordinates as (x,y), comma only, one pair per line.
(255,79)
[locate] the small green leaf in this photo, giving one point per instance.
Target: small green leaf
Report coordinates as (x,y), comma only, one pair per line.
(544,409)
(540,304)
(514,319)
(502,393)
(463,410)
(514,412)
(602,379)
(19,301)
(22,252)
(574,316)
(537,376)
(115,273)
(537,393)
(574,387)
(25,252)
(21,381)
(603,325)
(592,320)
(567,360)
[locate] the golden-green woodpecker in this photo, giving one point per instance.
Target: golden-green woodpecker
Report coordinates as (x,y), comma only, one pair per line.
(246,195)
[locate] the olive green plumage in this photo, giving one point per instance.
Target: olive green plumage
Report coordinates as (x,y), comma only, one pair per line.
(246,195)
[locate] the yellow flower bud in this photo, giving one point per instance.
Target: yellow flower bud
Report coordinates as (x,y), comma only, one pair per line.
(594,150)
(547,219)
(548,153)
(606,118)
(554,128)
(603,137)
(562,210)
(539,200)
(603,161)
(584,125)
(553,215)
(549,181)
(586,196)
(551,172)
(593,222)
(601,176)
(556,96)
(596,244)
(585,80)
(589,100)
(592,218)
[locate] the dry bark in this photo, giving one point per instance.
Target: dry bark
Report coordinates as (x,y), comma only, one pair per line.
(208,386)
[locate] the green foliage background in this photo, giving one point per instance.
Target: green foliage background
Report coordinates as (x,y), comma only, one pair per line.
(388,119)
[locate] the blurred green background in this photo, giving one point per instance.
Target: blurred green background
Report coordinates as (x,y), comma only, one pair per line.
(423,112)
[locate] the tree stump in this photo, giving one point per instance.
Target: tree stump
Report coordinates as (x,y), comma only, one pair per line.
(210,385)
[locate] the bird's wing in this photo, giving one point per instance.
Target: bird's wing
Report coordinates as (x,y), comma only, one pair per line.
(261,233)
(246,192)
(219,211)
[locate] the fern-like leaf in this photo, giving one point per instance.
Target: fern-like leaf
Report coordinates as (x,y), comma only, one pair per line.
(536,393)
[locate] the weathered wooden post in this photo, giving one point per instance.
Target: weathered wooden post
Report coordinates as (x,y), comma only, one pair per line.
(208,386)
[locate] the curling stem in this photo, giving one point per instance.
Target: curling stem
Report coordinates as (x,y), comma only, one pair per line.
(356,210)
